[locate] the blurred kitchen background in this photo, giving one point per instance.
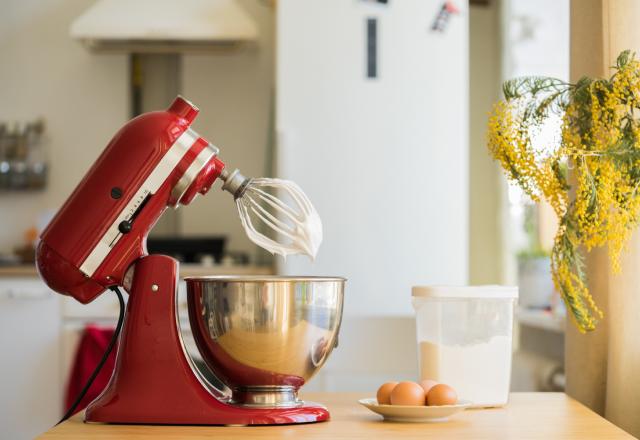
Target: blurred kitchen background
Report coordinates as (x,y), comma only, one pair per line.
(377,108)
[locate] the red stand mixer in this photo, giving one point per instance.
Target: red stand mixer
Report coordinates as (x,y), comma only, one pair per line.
(263,337)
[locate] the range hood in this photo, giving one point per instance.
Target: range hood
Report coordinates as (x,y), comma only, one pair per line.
(140,26)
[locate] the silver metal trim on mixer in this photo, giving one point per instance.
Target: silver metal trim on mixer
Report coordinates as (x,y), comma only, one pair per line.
(222,394)
(191,173)
(263,278)
(267,397)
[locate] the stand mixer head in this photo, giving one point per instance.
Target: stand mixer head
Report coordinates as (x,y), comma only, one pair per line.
(156,161)
(97,240)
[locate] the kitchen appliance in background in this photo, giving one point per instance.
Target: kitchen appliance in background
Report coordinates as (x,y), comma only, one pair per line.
(30,343)
(412,118)
(23,163)
(163,26)
(203,249)
(340,132)
(97,241)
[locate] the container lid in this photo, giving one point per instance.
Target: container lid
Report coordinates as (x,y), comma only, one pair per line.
(488,291)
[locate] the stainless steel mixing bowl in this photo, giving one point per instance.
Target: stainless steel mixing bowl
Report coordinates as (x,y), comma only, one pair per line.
(264,337)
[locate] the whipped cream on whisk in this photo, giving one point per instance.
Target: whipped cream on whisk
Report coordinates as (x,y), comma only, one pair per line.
(276,208)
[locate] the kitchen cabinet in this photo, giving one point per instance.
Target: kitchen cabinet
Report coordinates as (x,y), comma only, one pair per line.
(30,343)
(528,415)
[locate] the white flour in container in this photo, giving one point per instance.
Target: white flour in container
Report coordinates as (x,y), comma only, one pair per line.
(479,372)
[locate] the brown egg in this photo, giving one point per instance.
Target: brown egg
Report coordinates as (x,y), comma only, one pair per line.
(408,393)
(442,394)
(384,393)
(427,384)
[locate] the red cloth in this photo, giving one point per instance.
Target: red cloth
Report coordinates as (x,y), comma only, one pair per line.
(92,346)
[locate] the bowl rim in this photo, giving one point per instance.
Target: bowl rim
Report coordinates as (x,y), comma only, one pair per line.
(264,278)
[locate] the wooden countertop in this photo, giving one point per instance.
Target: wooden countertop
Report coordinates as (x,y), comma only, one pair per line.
(186,270)
(21,271)
(527,416)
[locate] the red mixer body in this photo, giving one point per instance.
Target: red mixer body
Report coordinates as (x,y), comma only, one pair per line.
(154,381)
(102,228)
(98,240)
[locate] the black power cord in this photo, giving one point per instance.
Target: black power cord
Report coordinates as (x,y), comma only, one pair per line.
(112,343)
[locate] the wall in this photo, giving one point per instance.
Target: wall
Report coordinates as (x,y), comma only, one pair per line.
(83,99)
(485,183)
(235,94)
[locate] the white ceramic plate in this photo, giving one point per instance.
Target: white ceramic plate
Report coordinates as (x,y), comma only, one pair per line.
(417,414)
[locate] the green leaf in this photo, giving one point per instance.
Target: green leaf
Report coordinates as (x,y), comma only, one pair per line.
(531,86)
(623,59)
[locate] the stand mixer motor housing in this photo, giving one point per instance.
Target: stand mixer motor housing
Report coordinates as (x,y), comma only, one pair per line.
(98,240)
(153,162)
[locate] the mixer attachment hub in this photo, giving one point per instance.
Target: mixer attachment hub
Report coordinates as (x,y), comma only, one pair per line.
(234,182)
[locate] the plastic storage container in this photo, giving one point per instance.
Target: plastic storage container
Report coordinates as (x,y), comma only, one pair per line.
(465,339)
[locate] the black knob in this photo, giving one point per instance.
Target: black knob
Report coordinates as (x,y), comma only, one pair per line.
(116,192)
(124,227)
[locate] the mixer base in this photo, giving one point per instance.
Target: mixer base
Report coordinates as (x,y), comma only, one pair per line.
(153,381)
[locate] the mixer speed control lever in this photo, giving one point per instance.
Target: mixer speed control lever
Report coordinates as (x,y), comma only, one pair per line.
(125,226)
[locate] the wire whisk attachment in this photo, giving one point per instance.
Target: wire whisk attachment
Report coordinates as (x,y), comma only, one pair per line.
(276,214)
